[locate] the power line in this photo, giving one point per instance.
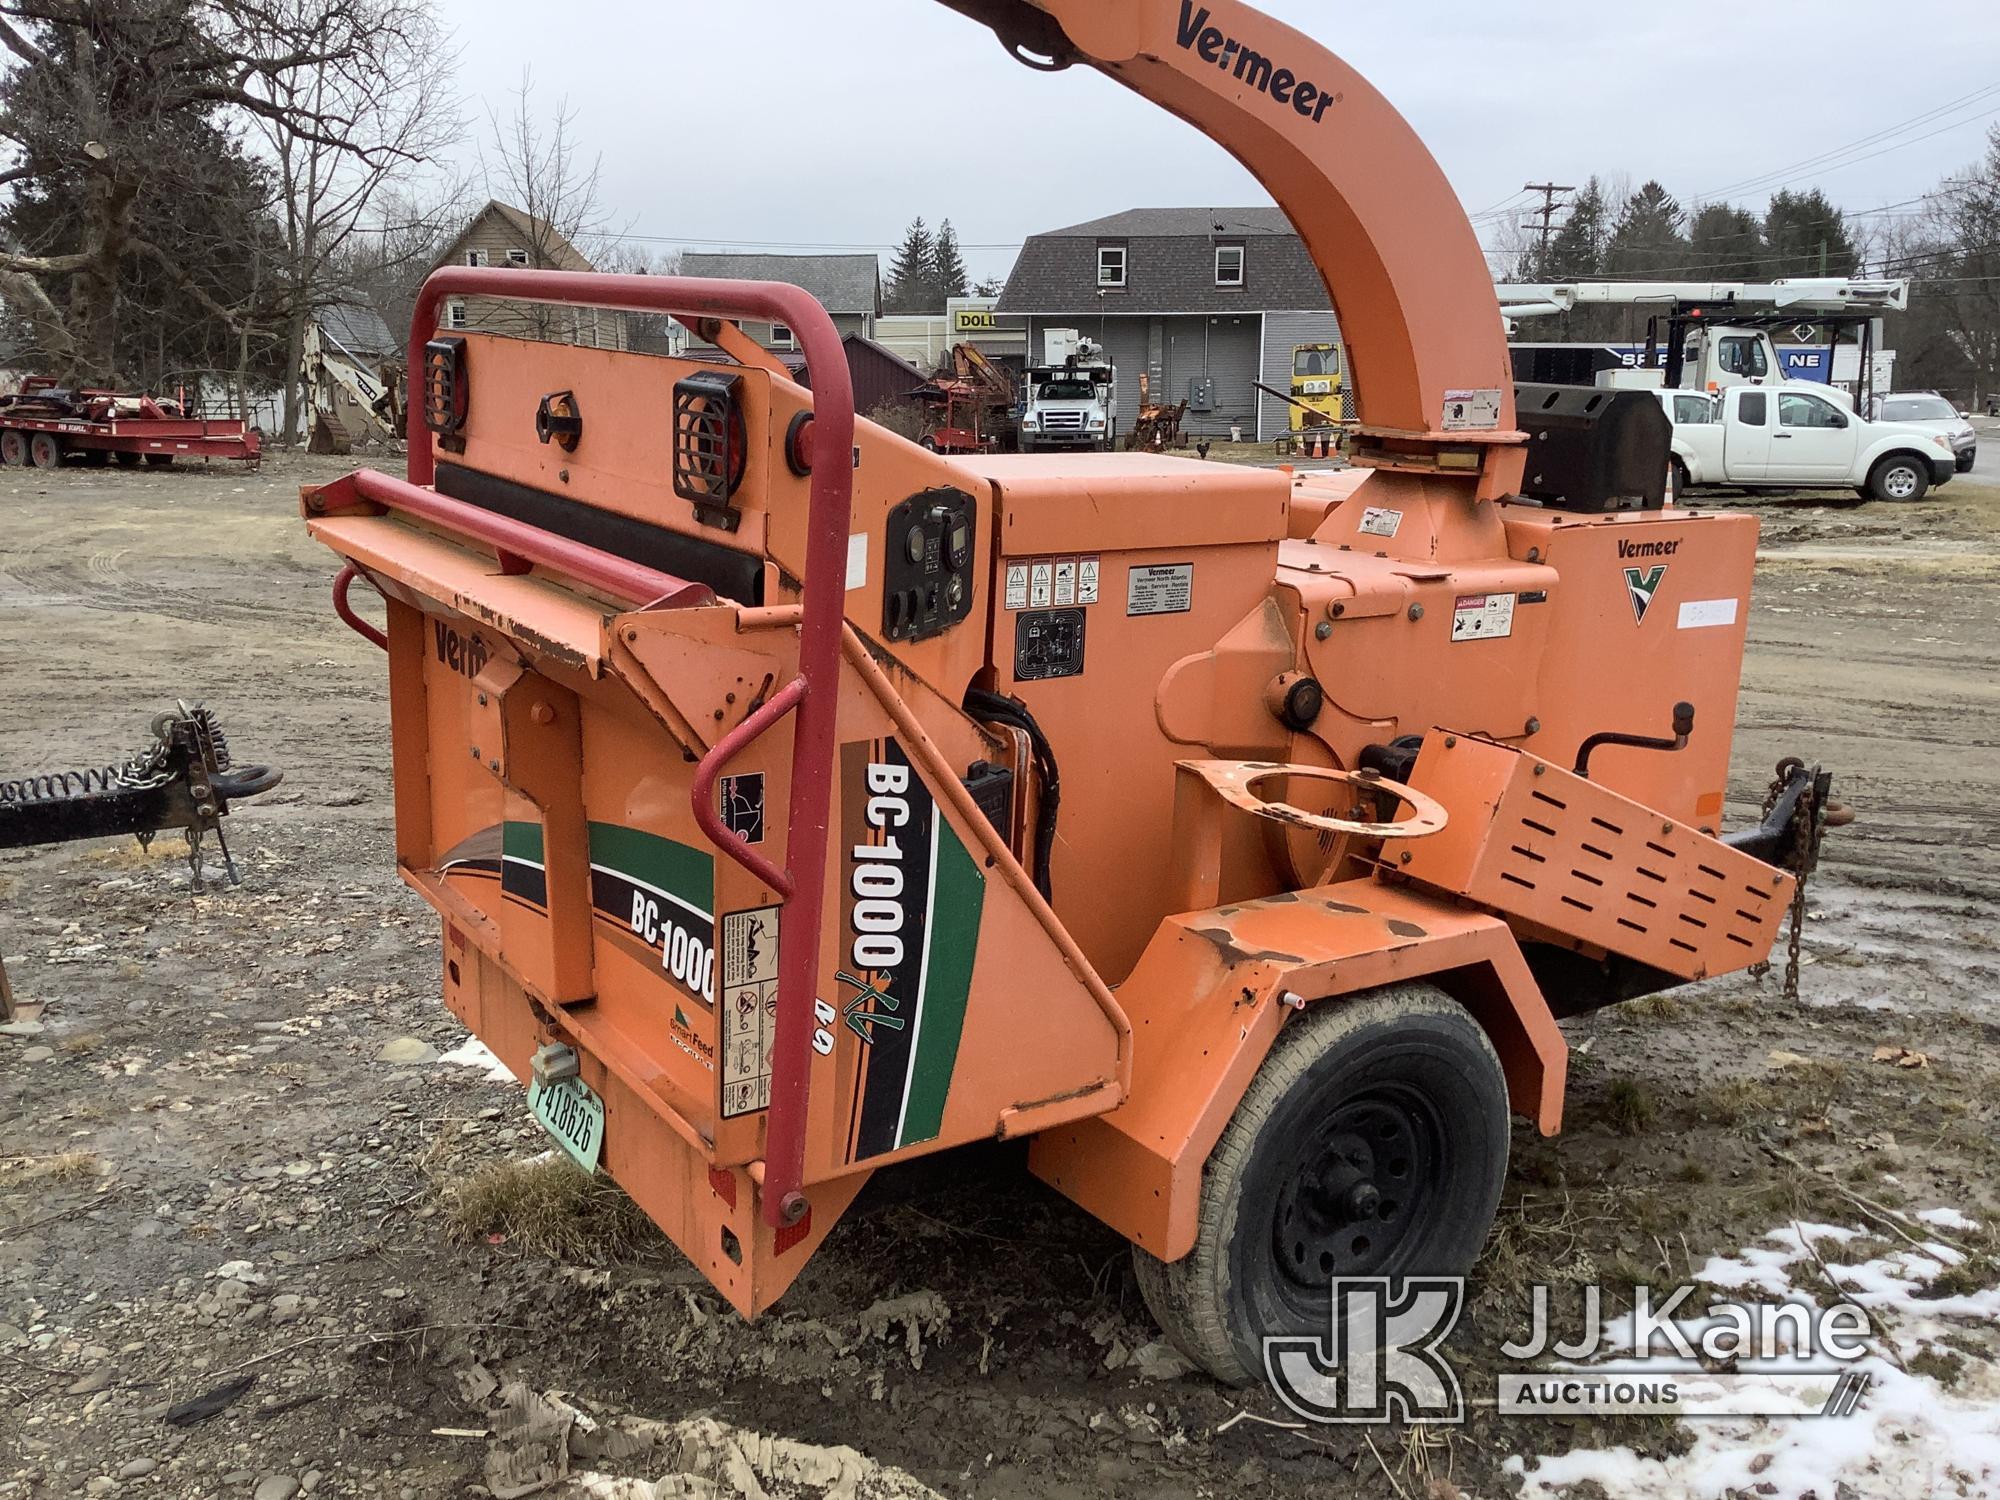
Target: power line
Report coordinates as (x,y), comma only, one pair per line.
(1829,160)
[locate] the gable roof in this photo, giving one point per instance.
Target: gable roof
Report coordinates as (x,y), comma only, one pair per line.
(1170,266)
(358,329)
(523,229)
(1223,223)
(839,283)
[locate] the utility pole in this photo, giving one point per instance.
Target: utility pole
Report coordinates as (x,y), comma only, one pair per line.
(1546,213)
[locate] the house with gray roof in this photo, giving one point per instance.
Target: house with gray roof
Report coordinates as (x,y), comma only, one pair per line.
(1206,301)
(847,286)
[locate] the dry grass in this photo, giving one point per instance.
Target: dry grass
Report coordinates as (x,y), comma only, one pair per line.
(1661,1007)
(81,1041)
(547,1207)
(1629,1106)
(64,1167)
(127,855)
(1730,1102)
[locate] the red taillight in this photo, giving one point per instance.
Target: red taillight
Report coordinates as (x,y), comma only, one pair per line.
(711,445)
(447,395)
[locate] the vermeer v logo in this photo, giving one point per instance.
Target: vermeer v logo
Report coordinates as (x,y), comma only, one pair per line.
(1642,584)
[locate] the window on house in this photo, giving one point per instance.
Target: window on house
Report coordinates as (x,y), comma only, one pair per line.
(1111,265)
(475,257)
(517,257)
(1229,265)
(781,337)
(454,315)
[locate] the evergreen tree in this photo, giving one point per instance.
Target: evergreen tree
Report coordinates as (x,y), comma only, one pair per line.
(913,273)
(947,265)
(1806,236)
(1646,243)
(1576,250)
(1726,243)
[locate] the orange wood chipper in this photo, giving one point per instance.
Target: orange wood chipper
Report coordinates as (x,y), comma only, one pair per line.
(798,801)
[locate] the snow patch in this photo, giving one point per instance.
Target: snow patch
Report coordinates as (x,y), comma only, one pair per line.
(473,1053)
(1910,1439)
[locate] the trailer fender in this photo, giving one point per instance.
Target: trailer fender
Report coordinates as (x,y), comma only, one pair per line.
(1208,998)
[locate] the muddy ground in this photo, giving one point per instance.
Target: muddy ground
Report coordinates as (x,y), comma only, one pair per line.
(207,1087)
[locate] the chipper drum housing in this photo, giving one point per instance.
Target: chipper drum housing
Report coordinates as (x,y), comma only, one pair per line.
(799,801)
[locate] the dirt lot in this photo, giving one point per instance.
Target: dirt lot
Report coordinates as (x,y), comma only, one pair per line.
(226,1151)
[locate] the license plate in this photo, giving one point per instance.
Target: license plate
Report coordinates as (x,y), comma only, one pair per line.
(570,1110)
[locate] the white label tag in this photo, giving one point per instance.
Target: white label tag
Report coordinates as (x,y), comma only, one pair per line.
(1086,581)
(857,560)
(1041,583)
(1697,614)
(749,1008)
(1017,585)
(1167,589)
(1378,522)
(1065,581)
(1471,410)
(1482,617)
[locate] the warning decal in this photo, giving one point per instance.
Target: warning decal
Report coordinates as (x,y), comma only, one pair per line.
(749,1008)
(1466,411)
(1017,585)
(1376,521)
(1482,617)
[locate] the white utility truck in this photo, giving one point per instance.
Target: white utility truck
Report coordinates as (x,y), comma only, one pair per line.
(1722,327)
(1798,435)
(1071,399)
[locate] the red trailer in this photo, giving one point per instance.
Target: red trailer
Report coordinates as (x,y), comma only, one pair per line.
(43,424)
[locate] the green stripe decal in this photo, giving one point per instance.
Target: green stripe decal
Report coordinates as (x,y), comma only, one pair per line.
(684,873)
(521,841)
(959,891)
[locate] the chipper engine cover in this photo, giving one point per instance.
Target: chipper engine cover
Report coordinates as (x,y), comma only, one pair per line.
(798,801)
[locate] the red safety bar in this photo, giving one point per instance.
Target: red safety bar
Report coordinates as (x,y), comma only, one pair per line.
(830,439)
(342,582)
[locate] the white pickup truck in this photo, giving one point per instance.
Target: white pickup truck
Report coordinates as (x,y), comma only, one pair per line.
(1798,435)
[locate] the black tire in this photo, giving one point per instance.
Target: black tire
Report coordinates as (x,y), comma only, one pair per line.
(45,451)
(928,442)
(1372,1142)
(159,460)
(1678,483)
(13,448)
(1899,479)
(127,460)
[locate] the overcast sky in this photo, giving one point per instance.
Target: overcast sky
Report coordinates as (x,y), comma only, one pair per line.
(827,124)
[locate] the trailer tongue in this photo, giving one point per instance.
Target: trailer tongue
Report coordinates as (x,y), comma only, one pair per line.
(798,801)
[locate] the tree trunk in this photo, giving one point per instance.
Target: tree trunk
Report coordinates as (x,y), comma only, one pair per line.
(295,343)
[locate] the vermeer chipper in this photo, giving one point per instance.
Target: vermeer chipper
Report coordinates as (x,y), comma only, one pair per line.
(799,801)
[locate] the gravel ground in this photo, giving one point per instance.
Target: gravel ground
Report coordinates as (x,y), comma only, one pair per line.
(228,1147)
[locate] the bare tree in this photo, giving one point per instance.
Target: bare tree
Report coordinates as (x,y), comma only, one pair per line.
(359,95)
(537,167)
(96,87)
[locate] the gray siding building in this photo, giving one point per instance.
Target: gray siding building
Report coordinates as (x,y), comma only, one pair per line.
(1204,301)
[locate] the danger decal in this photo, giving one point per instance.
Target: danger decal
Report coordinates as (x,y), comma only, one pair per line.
(913,896)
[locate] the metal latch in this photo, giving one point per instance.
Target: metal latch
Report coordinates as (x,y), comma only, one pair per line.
(553,1062)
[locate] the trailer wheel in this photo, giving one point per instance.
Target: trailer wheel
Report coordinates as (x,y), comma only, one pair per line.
(13,448)
(159,460)
(127,460)
(1898,477)
(44,452)
(1372,1142)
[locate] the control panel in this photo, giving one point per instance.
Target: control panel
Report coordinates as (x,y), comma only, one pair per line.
(1048,643)
(927,567)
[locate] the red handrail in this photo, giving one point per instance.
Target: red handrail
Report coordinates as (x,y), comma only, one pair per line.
(342,582)
(831,442)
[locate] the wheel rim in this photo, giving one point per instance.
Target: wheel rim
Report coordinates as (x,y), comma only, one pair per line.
(1364,1185)
(1900,482)
(13,448)
(42,451)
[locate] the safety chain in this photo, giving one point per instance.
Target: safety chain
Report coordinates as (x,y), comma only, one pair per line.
(1808,825)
